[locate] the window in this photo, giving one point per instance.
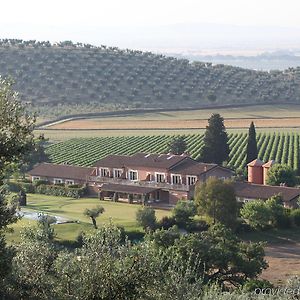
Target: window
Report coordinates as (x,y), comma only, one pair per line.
(191,180)
(160,177)
(69,181)
(133,175)
(58,181)
(176,179)
(34,178)
(118,173)
(104,172)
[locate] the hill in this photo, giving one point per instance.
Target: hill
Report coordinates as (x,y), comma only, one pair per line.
(69,78)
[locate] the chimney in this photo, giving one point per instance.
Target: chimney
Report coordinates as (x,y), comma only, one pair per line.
(266,168)
(255,171)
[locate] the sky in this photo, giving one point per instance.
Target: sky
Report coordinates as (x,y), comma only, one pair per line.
(115,21)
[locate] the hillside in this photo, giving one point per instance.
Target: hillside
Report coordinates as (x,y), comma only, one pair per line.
(72,78)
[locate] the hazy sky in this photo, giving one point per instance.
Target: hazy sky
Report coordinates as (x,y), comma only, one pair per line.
(61,19)
(118,12)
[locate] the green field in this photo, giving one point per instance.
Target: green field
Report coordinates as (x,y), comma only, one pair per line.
(283,147)
(72,209)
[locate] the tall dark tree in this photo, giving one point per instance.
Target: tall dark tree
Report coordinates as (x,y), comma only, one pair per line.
(252,152)
(16,139)
(216,148)
(177,145)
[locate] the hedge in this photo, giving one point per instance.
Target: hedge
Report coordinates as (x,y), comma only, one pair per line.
(63,191)
(16,187)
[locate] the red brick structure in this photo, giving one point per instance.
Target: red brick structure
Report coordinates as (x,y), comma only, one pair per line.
(255,171)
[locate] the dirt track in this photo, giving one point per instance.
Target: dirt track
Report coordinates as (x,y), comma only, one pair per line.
(284,262)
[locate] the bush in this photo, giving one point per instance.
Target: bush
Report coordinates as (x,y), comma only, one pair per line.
(166,222)
(256,214)
(39,182)
(183,212)
(27,187)
(134,236)
(74,186)
(295,216)
(243,227)
(146,218)
(197,226)
(57,190)
(13,187)
(284,220)
(253,284)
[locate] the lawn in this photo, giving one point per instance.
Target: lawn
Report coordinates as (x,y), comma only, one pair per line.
(72,209)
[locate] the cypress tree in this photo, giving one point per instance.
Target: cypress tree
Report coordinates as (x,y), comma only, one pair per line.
(252,152)
(216,148)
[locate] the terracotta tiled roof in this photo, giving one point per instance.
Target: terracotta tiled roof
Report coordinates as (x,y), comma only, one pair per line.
(255,163)
(120,188)
(61,171)
(269,164)
(191,167)
(159,161)
(259,191)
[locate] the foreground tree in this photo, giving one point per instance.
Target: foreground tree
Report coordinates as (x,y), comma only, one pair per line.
(94,213)
(281,174)
(177,145)
(216,199)
(16,127)
(252,152)
(216,148)
(217,255)
(16,140)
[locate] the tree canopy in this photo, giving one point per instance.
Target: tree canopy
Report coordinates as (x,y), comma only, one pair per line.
(16,140)
(216,199)
(216,148)
(281,174)
(177,145)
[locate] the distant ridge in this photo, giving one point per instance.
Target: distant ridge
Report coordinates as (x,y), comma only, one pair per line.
(67,79)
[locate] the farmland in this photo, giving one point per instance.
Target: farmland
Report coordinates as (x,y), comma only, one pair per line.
(283,147)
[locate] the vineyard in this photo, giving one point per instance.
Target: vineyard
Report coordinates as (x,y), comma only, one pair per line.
(282,147)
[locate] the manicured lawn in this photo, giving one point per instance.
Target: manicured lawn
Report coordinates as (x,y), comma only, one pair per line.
(72,209)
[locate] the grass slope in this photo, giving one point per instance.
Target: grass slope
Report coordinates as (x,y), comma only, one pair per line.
(74,78)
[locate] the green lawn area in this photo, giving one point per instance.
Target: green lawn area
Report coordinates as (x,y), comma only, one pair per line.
(72,209)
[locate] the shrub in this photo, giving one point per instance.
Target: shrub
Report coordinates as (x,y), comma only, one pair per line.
(57,190)
(253,284)
(197,226)
(183,212)
(74,186)
(295,216)
(146,218)
(39,182)
(13,187)
(27,187)
(284,220)
(256,214)
(166,222)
